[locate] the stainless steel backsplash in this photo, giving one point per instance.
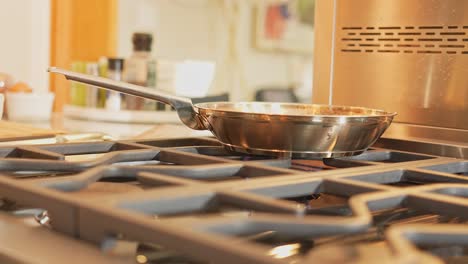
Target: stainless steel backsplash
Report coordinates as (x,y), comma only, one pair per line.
(408,56)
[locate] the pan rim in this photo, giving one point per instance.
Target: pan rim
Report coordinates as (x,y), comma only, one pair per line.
(207,106)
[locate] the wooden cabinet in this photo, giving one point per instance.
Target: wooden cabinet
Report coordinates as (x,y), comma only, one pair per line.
(80,30)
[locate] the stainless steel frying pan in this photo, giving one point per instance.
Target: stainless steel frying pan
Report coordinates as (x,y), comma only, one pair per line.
(283,129)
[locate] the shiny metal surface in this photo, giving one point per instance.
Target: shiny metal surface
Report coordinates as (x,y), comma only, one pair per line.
(431,134)
(299,130)
(431,148)
(408,56)
(284,129)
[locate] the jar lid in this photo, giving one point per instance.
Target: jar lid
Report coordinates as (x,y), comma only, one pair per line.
(115,64)
(142,41)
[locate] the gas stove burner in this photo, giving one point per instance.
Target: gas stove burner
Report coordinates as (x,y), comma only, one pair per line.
(190,200)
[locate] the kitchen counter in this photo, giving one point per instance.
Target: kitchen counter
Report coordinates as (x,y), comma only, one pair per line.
(118,130)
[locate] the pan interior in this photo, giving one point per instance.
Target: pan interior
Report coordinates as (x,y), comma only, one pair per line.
(292,109)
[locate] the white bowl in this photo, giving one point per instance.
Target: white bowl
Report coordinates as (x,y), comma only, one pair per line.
(29,106)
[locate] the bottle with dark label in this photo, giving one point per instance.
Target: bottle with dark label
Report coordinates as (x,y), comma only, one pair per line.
(114,72)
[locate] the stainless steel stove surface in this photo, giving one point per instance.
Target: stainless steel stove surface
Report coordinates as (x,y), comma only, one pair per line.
(189,201)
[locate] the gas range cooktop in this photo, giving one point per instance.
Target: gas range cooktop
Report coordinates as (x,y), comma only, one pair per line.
(190,201)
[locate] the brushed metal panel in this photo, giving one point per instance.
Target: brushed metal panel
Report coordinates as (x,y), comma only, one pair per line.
(322,51)
(427,133)
(416,63)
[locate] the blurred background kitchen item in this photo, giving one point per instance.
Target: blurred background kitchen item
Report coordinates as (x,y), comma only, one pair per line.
(12,131)
(31,107)
(185,34)
(140,69)
(203,49)
(6,81)
(2,103)
(114,72)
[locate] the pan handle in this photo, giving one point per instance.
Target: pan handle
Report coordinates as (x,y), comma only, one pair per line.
(184,107)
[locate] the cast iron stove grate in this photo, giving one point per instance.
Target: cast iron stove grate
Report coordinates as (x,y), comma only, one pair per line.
(190,201)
